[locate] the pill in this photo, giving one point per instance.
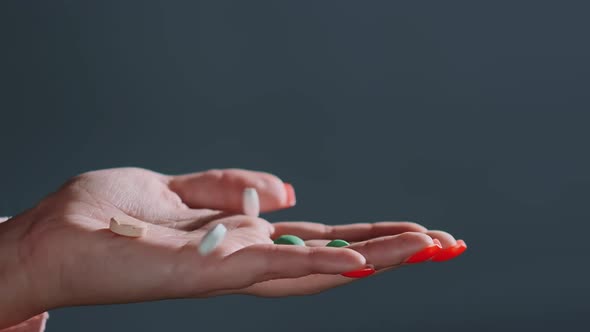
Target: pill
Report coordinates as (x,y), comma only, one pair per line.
(365,272)
(251,202)
(337,243)
(127,226)
(289,239)
(212,239)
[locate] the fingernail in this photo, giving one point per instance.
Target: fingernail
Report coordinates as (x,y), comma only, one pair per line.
(425,254)
(450,252)
(250,202)
(362,273)
(290,194)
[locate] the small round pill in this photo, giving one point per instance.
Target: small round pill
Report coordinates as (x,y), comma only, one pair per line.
(290,239)
(337,243)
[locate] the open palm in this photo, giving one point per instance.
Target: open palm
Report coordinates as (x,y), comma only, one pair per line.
(82,262)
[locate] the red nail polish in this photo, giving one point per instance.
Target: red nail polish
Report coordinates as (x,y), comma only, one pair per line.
(362,273)
(290,194)
(424,254)
(450,252)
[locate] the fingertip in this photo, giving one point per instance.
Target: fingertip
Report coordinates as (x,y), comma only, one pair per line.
(354,257)
(437,242)
(332,260)
(290,199)
(451,252)
(275,194)
(416,239)
(392,250)
(446,239)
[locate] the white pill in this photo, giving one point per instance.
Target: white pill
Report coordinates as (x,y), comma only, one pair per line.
(251,202)
(212,239)
(127,226)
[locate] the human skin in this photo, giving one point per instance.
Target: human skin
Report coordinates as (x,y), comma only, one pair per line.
(61,253)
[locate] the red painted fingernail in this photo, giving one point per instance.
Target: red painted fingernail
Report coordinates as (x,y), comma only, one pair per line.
(425,254)
(290,194)
(362,273)
(450,252)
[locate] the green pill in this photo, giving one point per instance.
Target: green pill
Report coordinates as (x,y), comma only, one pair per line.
(290,239)
(337,243)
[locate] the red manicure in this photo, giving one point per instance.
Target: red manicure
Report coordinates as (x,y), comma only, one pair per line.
(367,271)
(426,253)
(290,194)
(450,252)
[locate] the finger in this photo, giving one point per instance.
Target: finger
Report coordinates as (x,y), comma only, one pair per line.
(223,190)
(352,232)
(307,285)
(259,263)
(446,239)
(385,253)
(451,248)
(394,250)
(388,250)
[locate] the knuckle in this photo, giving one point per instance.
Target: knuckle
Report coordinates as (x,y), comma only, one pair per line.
(215,174)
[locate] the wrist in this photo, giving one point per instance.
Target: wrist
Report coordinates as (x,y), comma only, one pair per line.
(19,299)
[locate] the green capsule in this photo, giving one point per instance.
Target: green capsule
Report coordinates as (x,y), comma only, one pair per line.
(290,239)
(337,243)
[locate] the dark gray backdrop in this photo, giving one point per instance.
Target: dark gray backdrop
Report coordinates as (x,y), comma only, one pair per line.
(465,116)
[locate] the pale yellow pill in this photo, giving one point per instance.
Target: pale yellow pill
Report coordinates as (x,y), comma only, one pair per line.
(127,226)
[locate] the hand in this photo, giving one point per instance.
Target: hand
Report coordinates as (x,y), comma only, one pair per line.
(385,245)
(71,258)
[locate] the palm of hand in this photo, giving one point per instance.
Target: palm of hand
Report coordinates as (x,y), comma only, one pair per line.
(114,267)
(82,262)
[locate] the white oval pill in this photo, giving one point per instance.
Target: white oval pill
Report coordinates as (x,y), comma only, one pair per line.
(127,226)
(212,239)
(251,202)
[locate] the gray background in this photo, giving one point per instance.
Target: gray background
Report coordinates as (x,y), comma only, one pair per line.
(467,116)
